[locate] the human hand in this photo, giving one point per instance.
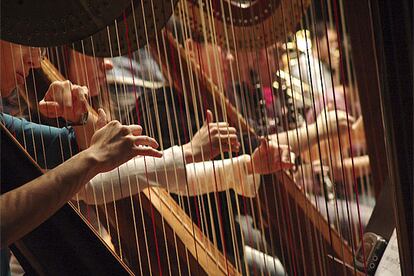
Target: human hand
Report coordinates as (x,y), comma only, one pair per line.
(328,124)
(114,144)
(269,157)
(206,142)
(357,130)
(66,100)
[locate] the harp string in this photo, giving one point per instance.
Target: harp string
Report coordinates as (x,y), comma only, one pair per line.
(218,31)
(321,94)
(310,152)
(217,58)
(186,32)
(283,96)
(213,232)
(340,148)
(349,132)
(273,105)
(302,91)
(254,54)
(314,86)
(226,92)
(201,218)
(250,146)
(188,120)
(139,122)
(330,153)
(198,200)
(203,105)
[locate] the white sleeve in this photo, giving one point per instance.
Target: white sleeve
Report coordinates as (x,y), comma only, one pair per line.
(168,173)
(207,177)
(135,175)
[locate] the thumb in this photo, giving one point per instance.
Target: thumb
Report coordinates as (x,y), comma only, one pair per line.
(101,119)
(263,142)
(209,116)
(50,109)
(351,119)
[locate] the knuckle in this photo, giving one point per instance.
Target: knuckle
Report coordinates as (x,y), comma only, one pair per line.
(130,141)
(214,130)
(114,123)
(65,84)
(124,130)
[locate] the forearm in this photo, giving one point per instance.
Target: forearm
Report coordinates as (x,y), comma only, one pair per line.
(137,174)
(359,164)
(26,207)
(85,132)
(221,175)
(298,140)
(171,174)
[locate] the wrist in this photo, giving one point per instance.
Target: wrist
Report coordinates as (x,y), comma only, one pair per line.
(189,157)
(83,120)
(91,160)
(248,164)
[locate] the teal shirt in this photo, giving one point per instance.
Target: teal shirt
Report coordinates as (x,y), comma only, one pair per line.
(48,146)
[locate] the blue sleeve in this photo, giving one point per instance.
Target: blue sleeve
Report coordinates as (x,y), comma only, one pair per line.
(49,146)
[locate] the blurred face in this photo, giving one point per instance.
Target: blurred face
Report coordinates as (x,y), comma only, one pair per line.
(88,71)
(16,61)
(221,61)
(213,61)
(333,50)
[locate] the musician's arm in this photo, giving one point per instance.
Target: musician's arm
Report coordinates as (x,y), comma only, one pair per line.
(134,176)
(357,166)
(297,139)
(171,174)
(328,123)
(26,207)
(240,173)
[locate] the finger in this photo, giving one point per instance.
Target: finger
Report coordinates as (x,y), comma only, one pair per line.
(209,116)
(357,124)
(50,109)
(227,130)
(102,120)
(224,139)
(54,89)
(229,139)
(136,130)
(67,96)
(263,142)
(218,125)
(147,151)
(232,148)
(351,119)
(223,133)
(145,141)
(287,160)
(85,92)
(83,98)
